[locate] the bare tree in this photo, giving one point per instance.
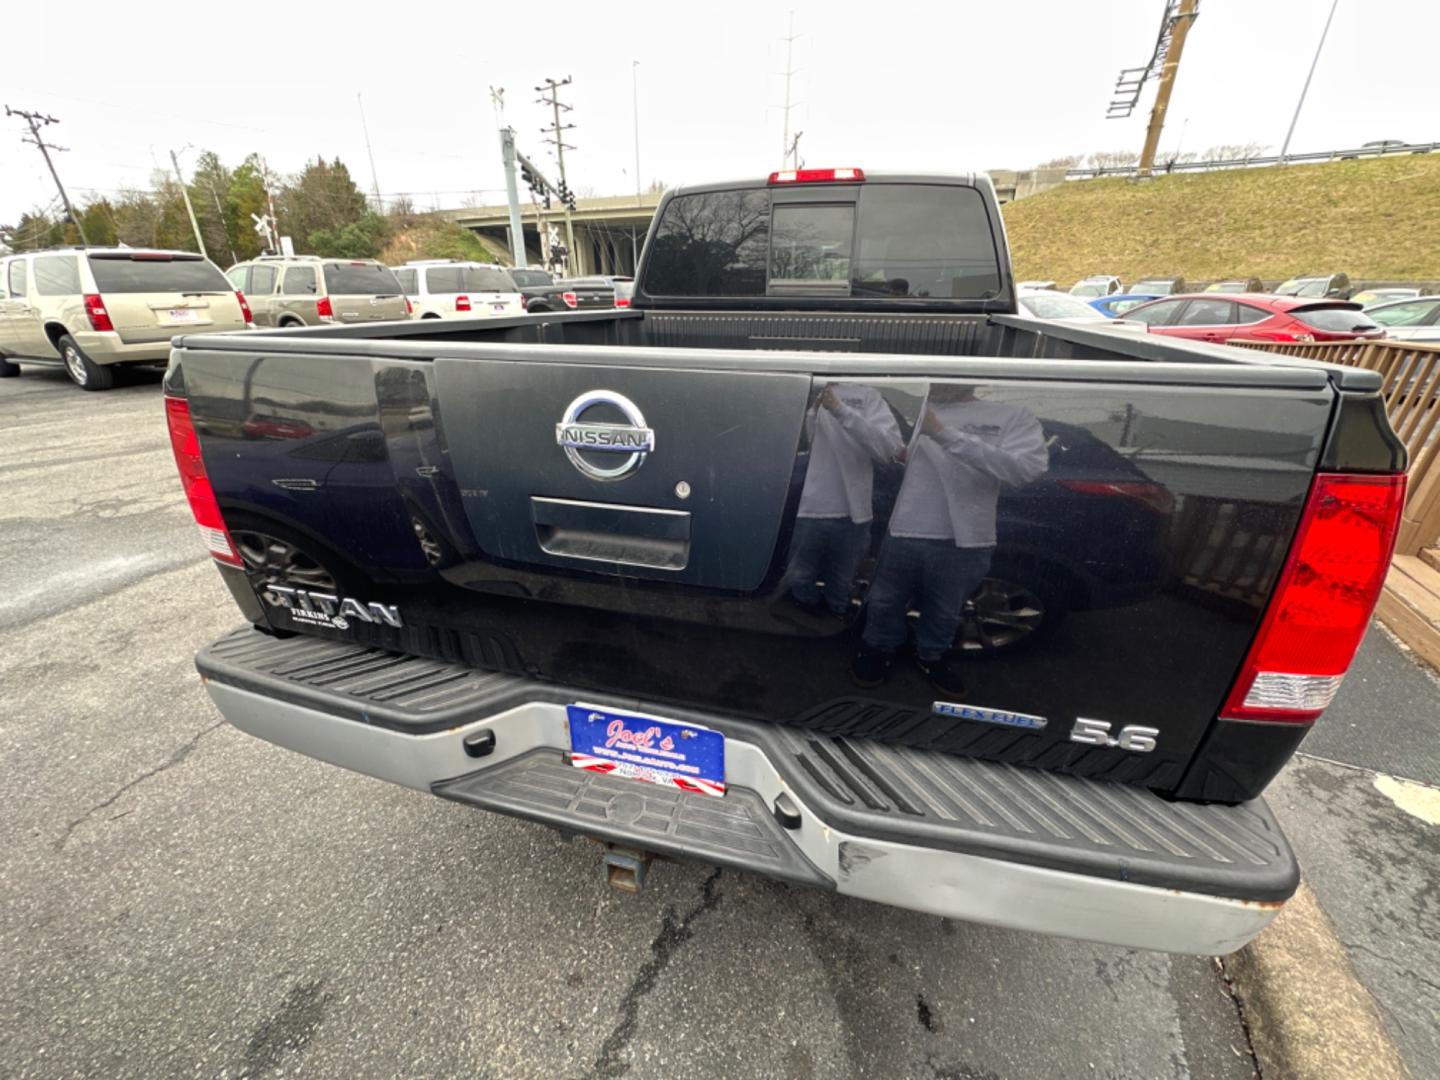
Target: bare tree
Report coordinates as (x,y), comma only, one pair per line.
(1066,161)
(1234,151)
(1112,159)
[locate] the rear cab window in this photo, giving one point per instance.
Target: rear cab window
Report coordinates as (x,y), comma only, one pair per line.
(875,240)
(361,279)
(143,273)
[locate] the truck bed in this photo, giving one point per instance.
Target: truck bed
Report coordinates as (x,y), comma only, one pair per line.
(416,466)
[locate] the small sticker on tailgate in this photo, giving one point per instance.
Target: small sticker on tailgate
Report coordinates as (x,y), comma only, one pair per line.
(647,748)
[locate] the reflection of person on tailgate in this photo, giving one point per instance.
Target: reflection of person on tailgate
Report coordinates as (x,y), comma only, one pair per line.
(942,532)
(851,429)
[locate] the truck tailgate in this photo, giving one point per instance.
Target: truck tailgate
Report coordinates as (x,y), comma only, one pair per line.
(699,530)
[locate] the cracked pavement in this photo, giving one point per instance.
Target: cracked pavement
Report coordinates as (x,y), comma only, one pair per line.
(182,900)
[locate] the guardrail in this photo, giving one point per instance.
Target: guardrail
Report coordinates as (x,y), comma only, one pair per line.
(1252,162)
(1411,389)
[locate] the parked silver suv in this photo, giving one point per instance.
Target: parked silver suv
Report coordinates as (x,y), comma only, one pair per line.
(306,290)
(92,308)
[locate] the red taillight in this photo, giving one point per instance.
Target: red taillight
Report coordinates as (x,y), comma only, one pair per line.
(816,176)
(462,303)
(622,301)
(96,313)
(524,302)
(409,307)
(1322,601)
(199,493)
(244,308)
(1151,495)
(571,300)
(323,308)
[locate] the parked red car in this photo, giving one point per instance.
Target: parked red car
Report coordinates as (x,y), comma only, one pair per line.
(1223,316)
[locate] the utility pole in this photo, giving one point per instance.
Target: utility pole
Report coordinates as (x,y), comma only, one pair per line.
(1179,27)
(789,39)
(185,194)
(1284,150)
(558,129)
(374,179)
(36,122)
(517,237)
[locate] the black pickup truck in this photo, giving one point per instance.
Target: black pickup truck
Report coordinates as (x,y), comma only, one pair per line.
(817,561)
(541,292)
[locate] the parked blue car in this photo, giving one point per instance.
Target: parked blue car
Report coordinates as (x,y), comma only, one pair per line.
(1112,307)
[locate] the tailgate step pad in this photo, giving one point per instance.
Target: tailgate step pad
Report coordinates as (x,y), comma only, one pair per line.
(1112,830)
(862,788)
(738,830)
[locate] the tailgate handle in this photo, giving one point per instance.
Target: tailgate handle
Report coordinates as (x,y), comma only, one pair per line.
(610,532)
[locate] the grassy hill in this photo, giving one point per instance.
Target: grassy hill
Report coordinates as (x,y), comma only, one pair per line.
(1376,219)
(436,238)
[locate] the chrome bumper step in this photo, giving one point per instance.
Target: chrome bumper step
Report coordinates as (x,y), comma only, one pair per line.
(919,829)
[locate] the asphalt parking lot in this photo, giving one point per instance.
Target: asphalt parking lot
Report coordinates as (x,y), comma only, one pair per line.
(182,900)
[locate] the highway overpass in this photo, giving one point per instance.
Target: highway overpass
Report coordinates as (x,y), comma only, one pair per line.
(609,232)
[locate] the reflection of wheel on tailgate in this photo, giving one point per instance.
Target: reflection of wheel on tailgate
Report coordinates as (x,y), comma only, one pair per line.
(275,555)
(1013,607)
(83,371)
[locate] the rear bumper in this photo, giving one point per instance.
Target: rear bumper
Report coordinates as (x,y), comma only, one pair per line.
(949,836)
(107,347)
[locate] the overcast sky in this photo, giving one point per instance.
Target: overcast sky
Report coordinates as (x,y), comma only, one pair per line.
(949,86)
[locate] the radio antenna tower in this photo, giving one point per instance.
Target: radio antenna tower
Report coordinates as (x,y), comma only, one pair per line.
(786,149)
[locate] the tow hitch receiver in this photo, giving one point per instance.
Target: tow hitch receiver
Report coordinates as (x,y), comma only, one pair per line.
(625,868)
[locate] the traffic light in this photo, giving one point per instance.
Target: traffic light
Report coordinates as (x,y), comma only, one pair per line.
(526,174)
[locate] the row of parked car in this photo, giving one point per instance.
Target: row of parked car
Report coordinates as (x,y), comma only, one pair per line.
(92,309)
(1222,314)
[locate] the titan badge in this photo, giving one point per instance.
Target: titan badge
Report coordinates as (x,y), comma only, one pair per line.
(326,609)
(634,439)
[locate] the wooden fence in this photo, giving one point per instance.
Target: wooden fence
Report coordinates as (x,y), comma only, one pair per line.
(1411,388)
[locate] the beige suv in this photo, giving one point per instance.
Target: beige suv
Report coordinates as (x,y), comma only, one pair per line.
(306,290)
(93,308)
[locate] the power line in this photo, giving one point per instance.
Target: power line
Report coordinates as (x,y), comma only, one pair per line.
(1285,150)
(36,121)
(374,178)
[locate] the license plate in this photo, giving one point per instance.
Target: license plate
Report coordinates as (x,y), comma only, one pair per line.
(497,308)
(183,315)
(647,748)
